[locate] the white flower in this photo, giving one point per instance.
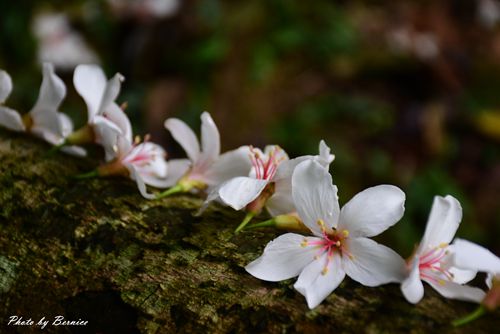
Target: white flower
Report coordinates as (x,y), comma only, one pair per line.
(143,162)
(339,244)
(432,261)
(44,120)
(106,120)
(268,183)
(205,167)
(470,256)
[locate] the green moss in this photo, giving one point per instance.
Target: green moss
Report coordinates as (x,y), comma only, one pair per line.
(62,239)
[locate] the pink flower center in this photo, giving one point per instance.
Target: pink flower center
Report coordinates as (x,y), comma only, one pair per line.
(329,243)
(141,154)
(431,265)
(265,169)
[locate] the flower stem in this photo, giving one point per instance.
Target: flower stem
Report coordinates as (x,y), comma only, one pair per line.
(470,317)
(56,148)
(245,221)
(89,175)
(174,190)
(267,223)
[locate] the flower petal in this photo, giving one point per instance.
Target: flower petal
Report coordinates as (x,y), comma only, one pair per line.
(135,175)
(454,290)
(316,284)
(372,211)
(281,202)
(74,150)
(468,255)
(283,258)
(210,140)
(315,196)
(116,115)
(65,123)
(5,86)
(177,168)
(443,222)
(106,135)
(229,165)
(240,191)
(52,93)
(372,264)
(11,119)
(412,286)
(111,92)
(90,83)
(325,158)
(183,134)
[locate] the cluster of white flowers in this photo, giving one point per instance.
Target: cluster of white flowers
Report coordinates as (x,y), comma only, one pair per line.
(298,193)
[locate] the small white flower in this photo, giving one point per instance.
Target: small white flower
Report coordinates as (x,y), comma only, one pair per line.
(105,118)
(432,261)
(44,120)
(205,167)
(143,162)
(271,174)
(339,244)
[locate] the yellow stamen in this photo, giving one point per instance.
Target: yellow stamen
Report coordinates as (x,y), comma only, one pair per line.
(443,245)
(303,243)
(321,224)
(324,271)
(345,233)
(442,282)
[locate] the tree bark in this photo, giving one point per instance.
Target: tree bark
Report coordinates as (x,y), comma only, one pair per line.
(95,250)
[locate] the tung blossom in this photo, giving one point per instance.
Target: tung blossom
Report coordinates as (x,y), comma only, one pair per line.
(106,120)
(205,167)
(339,244)
(432,261)
(268,183)
(143,162)
(43,120)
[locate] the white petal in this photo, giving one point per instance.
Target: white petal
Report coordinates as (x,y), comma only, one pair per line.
(315,196)
(177,168)
(489,280)
(210,140)
(111,92)
(372,211)
(240,191)
(116,115)
(90,83)
(135,175)
(325,158)
(468,255)
(372,264)
(457,291)
(106,135)
(443,222)
(229,165)
(281,202)
(283,258)
(65,123)
(412,286)
(76,151)
(11,119)
(52,92)
(315,285)
(5,86)
(183,134)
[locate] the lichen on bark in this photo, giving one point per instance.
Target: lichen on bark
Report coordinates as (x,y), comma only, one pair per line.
(96,250)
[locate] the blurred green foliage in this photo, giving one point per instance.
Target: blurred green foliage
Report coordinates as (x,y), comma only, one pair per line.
(292,73)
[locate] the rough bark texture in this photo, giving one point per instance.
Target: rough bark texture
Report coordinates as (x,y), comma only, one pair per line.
(96,250)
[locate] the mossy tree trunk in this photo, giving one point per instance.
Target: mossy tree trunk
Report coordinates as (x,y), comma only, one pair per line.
(96,250)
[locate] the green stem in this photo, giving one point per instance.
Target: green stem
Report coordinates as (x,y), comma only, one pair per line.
(174,190)
(89,175)
(267,223)
(470,317)
(245,221)
(56,148)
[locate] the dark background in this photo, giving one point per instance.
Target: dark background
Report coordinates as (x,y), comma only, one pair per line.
(404,92)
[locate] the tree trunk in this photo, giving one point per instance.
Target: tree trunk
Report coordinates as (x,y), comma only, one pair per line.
(95,250)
